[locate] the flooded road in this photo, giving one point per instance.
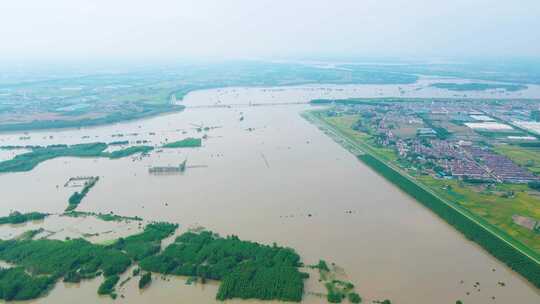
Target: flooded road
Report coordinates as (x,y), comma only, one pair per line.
(269,177)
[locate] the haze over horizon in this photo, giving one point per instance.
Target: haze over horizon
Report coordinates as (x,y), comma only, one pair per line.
(168,29)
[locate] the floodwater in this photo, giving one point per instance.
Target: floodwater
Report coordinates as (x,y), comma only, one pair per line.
(271,177)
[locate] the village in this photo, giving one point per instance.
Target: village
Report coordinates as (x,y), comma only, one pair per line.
(453,139)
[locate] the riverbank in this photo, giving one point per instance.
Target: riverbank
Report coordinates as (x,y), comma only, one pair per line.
(505,248)
(147,110)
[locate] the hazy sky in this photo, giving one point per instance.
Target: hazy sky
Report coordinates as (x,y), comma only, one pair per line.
(151,29)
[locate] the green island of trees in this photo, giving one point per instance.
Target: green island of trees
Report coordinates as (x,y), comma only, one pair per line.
(189,142)
(28,161)
(502,250)
(107,287)
(245,269)
(354,297)
(128,151)
(76,198)
(43,262)
(108,217)
(338,290)
(16,217)
(17,285)
(145,280)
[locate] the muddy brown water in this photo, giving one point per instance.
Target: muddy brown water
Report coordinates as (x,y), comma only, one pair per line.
(262,184)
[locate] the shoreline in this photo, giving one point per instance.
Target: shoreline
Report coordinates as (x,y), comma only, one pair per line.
(528,268)
(177,106)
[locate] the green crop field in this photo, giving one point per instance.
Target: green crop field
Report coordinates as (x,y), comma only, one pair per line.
(527,157)
(493,205)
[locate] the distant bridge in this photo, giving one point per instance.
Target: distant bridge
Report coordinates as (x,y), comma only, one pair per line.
(237,105)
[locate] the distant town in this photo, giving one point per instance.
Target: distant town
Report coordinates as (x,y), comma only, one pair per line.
(451,138)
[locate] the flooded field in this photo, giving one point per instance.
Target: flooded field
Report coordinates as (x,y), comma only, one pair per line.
(267,175)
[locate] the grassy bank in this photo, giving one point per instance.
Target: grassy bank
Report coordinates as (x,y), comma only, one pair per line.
(497,246)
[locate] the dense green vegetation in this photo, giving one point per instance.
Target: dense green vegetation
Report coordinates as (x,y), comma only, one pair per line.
(16,284)
(337,290)
(45,261)
(147,243)
(519,262)
(189,142)
(54,257)
(76,198)
(478,86)
(534,185)
(28,161)
(245,269)
(18,218)
(354,297)
(128,151)
(145,280)
(107,287)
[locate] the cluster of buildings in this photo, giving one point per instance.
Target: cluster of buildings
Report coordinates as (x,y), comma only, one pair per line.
(464,160)
(501,167)
(458,156)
